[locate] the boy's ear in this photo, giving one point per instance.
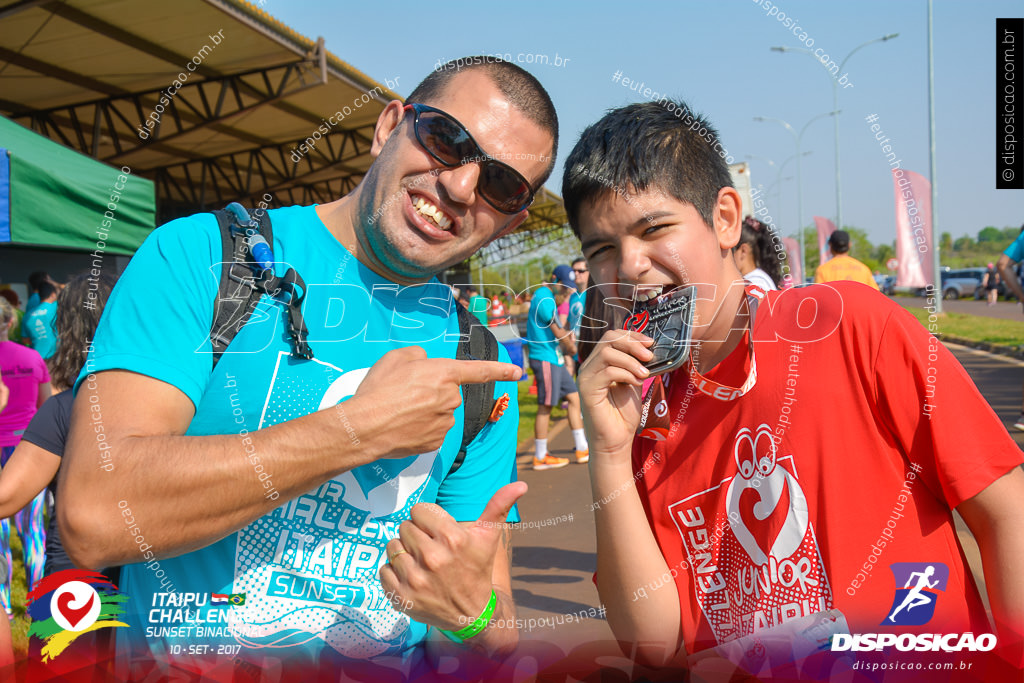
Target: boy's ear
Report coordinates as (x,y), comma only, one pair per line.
(728,217)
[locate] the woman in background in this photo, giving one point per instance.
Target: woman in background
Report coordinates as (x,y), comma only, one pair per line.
(33,466)
(759,261)
(28,380)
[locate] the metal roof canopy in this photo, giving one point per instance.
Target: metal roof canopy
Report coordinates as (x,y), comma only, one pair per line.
(90,73)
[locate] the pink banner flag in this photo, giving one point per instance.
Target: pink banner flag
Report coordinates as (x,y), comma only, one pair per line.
(913,229)
(793,258)
(825,229)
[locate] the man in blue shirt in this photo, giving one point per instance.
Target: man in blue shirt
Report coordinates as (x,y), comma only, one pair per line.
(37,325)
(1006,266)
(577,302)
(302,514)
(547,340)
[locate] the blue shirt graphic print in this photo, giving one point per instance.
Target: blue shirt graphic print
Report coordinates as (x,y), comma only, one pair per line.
(308,569)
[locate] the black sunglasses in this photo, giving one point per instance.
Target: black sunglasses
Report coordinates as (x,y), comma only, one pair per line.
(450,143)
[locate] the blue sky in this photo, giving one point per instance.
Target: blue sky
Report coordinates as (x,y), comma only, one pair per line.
(716,56)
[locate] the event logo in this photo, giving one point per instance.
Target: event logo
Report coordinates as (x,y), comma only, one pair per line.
(914,603)
(638,321)
(69,603)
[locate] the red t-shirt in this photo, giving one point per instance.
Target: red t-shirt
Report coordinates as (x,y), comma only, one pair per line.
(845,458)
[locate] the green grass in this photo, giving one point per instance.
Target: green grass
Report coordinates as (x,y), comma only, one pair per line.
(974,327)
(527,409)
(19,627)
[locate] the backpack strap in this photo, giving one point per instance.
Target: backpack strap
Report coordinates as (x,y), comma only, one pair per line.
(475,343)
(246,275)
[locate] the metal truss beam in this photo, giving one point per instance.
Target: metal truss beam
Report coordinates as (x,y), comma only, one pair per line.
(248,175)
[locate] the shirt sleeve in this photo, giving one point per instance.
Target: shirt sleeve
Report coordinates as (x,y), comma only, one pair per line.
(931,405)
(157,321)
(546,311)
(490,461)
(49,427)
(1016,249)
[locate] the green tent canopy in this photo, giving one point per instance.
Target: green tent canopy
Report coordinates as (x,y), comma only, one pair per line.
(61,199)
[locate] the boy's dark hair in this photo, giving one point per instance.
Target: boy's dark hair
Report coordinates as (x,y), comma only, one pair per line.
(761,239)
(516,84)
(647,146)
(578,259)
(46,290)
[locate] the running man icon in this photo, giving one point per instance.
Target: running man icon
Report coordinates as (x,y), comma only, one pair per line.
(916,597)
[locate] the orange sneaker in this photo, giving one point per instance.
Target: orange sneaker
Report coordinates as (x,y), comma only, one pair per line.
(582,457)
(549,462)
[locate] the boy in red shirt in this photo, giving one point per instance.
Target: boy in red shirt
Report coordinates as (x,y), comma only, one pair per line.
(799,472)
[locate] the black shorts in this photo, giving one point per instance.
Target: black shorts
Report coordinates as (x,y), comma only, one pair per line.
(553,382)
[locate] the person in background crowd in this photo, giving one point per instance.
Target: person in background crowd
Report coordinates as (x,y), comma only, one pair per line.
(34,281)
(842,266)
(32,468)
(577,301)
(1006,265)
(990,282)
(756,256)
(477,304)
(37,327)
(15,332)
(548,341)
(26,376)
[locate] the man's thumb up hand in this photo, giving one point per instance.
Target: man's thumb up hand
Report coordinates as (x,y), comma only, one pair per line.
(494,515)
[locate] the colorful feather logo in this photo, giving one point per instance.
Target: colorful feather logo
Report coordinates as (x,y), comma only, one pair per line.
(69,603)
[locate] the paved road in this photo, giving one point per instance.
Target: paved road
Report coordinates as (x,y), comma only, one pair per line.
(1005,310)
(555,558)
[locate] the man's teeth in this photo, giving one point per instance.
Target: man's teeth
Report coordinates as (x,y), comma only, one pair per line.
(430,211)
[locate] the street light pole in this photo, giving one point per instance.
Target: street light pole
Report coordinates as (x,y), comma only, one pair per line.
(778,175)
(835,106)
(797,137)
(936,246)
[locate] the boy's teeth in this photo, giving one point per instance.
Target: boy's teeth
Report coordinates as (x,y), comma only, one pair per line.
(648,293)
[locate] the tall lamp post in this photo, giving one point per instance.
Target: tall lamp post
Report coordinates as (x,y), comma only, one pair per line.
(797,138)
(835,104)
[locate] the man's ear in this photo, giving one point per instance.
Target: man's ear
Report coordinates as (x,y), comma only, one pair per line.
(728,217)
(387,122)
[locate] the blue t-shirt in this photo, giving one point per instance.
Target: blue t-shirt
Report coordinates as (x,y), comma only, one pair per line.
(308,570)
(576,303)
(1016,249)
(38,327)
(539,337)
